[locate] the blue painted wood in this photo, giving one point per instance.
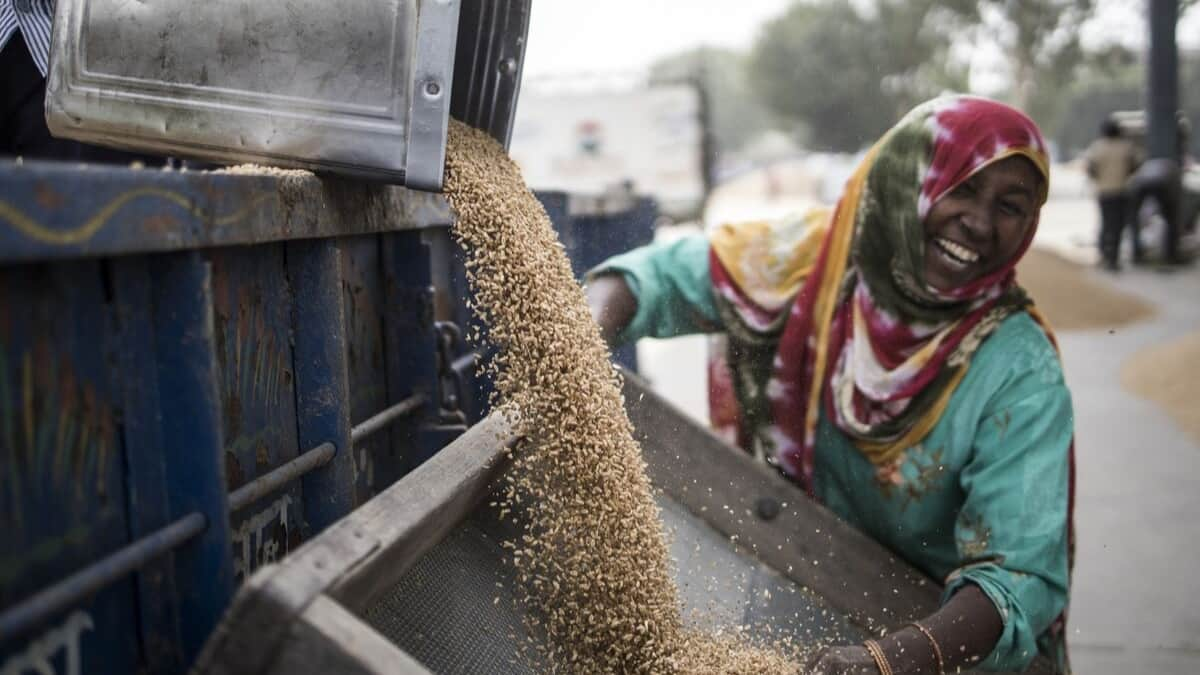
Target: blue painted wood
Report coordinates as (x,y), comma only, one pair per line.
(557,208)
(595,238)
(62,483)
(159,381)
(409,341)
(591,239)
(363,299)
(322,389)
(252,311)
(59,210)
(452,300)
(192,429)
(145,455)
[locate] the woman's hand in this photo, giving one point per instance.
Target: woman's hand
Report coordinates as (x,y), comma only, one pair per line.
(853,660)
(956,637)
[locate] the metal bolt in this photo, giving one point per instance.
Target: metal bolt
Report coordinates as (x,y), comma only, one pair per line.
(508,66)
(767,508)
(433,90)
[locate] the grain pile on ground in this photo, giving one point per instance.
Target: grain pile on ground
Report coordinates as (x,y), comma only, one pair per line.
(1071,299)
(1167,374)
(593,562)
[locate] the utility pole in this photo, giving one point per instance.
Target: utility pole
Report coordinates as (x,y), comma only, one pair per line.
(708,139)
(1162,126)
(1162,95)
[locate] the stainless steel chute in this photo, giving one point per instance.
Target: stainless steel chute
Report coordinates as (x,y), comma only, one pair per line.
(358,87)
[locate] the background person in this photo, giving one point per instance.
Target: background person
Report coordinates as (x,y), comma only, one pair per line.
(1111,160)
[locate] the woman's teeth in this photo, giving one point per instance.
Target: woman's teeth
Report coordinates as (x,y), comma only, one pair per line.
(956,252)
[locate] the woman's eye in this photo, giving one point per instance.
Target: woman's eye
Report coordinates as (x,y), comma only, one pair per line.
(1012,209)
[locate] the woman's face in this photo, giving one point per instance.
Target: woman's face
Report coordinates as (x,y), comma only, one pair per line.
(977,227)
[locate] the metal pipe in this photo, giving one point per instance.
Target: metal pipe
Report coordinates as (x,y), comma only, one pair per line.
(465,363)
(286,473)
(386,417)
(45,604)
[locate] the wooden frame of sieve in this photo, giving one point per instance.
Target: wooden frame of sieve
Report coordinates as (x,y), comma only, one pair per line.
(299,616)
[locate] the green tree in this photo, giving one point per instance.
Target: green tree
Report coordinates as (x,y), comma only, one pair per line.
(1112,78)
(1041,40)
(1116,80)
(842,76)
(1107,80)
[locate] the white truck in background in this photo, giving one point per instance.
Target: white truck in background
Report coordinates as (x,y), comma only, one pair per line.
(649,139)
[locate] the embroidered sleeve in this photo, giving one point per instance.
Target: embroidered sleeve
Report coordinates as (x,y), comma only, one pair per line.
(1011,533)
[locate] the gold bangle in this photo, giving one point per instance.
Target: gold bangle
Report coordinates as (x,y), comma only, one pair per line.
(881,661)
(937,649)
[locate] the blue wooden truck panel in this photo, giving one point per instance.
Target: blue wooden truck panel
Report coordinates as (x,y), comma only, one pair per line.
(252,326)
(363,299)
(62,489)
(199,344)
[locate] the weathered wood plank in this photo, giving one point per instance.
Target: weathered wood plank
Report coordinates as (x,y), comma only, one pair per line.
(52,210)
(411,517)
(329,639)
(361,554)
(319,355)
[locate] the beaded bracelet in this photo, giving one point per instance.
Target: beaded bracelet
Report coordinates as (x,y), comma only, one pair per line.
(937,649)
(881,661)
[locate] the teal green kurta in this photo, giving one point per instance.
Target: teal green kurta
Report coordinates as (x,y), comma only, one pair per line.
(982,499)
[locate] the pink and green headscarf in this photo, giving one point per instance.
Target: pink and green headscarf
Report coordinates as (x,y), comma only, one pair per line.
(861,331)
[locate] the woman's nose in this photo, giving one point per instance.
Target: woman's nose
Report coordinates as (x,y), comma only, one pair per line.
(977,222)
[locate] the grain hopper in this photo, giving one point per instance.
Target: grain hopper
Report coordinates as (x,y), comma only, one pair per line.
(355,87)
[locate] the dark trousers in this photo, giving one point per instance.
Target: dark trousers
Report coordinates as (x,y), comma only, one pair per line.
(1115,214)
(1167,196)
(23,129)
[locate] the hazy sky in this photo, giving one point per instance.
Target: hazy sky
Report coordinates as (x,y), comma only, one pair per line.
(573,37)
(617,36)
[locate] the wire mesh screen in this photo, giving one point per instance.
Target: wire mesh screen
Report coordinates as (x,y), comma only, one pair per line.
(455,610)
(723,587)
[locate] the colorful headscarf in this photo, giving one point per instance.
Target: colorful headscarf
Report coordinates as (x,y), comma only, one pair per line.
(833,309)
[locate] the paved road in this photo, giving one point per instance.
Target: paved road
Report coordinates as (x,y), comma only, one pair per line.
(1136,599)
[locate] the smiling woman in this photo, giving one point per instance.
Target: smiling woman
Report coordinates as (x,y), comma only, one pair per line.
(982,224)
(882,356)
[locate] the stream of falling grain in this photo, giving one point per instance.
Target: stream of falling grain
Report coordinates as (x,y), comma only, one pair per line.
(592,559)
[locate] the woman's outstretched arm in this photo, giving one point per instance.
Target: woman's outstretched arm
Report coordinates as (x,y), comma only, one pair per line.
(965,630)
(612,304)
